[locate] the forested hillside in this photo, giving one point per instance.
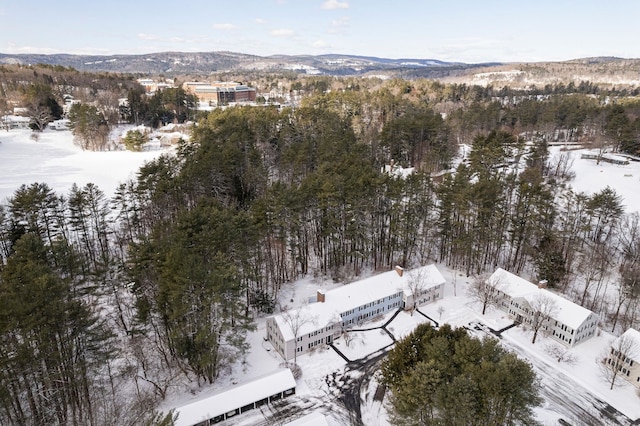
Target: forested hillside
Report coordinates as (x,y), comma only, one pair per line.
(108,304)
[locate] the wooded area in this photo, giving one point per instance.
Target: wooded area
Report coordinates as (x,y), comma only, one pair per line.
(162,282)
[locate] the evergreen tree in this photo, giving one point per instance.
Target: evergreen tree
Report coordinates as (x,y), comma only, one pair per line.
(134,140)
(52,343)
(445,376)
(89,127)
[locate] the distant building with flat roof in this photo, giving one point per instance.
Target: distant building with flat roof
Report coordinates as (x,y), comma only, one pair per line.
(220,93)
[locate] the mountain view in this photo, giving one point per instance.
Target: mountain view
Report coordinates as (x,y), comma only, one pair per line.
(327,213)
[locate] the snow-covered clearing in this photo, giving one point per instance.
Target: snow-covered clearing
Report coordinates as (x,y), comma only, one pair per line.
(592,177)
(570,390)
(54,159)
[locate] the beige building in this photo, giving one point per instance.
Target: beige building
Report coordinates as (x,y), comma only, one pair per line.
(220,93)
(151,86)
(624,355)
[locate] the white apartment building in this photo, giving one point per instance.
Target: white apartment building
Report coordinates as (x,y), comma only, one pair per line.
(320,323)
(569,323)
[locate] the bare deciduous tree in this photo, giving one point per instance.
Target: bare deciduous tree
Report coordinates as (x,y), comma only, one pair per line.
(485,291)
(615,360)
(296,318)
(543,307)
(417,284)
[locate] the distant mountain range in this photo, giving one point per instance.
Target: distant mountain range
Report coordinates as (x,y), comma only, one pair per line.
(603,71)
(204,63)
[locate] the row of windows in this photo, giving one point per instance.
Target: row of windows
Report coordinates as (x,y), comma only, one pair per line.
(565,328)
(561,336)
(315,343)
(428,298)
(589,334)
(625,359)
(369,305)
(315,333)
(620,368)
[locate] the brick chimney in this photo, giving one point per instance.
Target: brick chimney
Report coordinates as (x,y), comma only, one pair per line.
(543,283)
(399,270)
(320,296)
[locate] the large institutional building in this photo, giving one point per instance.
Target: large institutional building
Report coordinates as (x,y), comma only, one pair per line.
(220,93)
(301,330)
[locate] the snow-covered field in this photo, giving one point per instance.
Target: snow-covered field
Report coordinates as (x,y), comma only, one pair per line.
(57,161)
(590,178)
(570,390)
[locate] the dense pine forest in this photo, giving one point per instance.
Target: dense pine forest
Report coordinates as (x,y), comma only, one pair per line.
(107,303)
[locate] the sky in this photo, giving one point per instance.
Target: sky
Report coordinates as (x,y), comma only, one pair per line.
(470,31)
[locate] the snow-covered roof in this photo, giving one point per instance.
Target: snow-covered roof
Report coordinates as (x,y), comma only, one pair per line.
(16,118)
(313,419)
(634,335)
(398,171)
(347,297)
(235,397)
(567,312)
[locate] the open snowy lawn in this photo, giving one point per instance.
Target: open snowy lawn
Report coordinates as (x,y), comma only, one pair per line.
(57,161)
(592,177)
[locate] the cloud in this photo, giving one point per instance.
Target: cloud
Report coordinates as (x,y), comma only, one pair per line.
(335,4)
(282,33)
(339,26)
(13,49)
(225,27)
(261,21)
(320,43)
(143,36)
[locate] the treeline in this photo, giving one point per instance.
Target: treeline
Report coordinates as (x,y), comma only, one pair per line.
(43,89)
(16,79)
(63,359)
(169,274)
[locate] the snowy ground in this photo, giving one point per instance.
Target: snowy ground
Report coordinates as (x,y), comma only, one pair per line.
(575,392)
(57,161)
(592,177)
(572,391)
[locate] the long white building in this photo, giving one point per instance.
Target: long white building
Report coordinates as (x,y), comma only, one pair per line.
(301,330)
(237,399)
(569,323)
